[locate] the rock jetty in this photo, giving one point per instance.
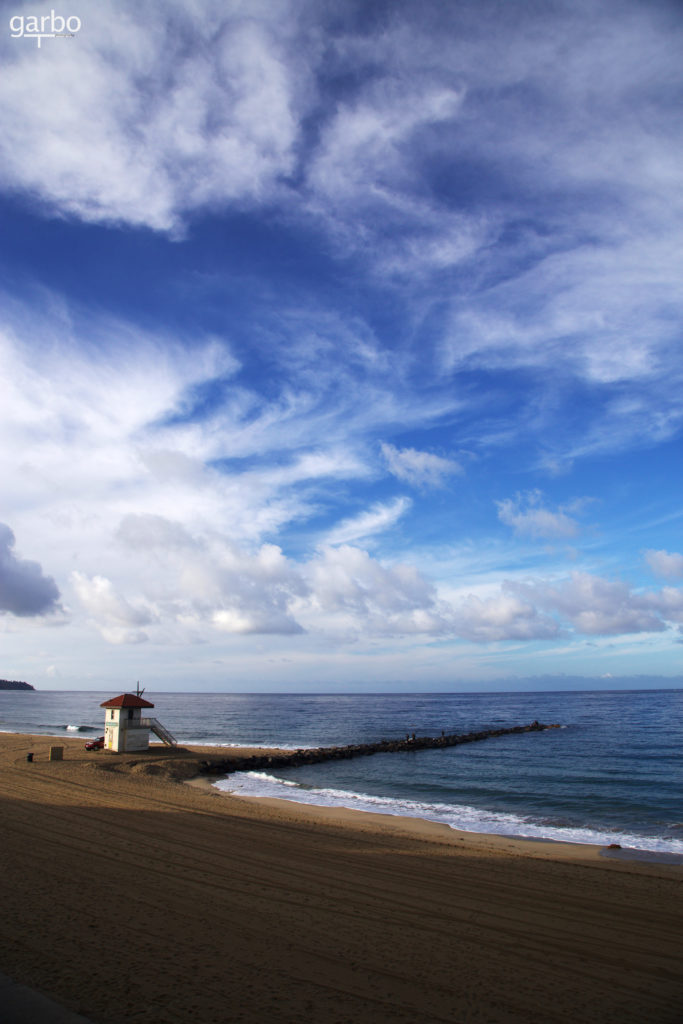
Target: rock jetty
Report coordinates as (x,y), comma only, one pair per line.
(316,755)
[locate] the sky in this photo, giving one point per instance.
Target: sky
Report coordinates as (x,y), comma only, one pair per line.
(340,344)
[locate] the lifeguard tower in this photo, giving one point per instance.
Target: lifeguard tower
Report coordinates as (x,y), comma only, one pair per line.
(124,727)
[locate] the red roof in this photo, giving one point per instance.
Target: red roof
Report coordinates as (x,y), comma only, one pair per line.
(127,700)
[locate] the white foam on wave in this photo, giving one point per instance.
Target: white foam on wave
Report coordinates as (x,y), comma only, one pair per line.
(458,816)
(264,777)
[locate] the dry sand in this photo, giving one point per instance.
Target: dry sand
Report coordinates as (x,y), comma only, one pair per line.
(128,896)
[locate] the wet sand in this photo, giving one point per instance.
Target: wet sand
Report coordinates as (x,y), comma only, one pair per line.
(128,896)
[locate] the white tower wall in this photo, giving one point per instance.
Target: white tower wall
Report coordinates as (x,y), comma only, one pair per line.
(124,732)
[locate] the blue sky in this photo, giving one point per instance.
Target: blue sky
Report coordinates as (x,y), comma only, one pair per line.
(340,345)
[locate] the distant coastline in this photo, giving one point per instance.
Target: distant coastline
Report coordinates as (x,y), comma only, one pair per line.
(13,684)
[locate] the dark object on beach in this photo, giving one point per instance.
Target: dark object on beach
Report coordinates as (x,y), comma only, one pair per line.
(614,846)
(97,744)
(224,766)
(29,757)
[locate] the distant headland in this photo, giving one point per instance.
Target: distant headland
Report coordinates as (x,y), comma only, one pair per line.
(13,684)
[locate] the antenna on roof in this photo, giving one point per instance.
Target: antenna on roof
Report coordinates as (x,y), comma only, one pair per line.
(139,692)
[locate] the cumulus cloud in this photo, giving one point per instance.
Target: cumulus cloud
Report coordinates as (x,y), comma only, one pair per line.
(25,591)
(503,616)
(191,586)
(421,469)
(353,593)
(596,606)
(667,564)
(203,581)
(253,593)
(668,603)
(583,604)
(527,515)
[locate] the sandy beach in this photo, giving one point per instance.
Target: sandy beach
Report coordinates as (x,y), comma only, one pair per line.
(129,895)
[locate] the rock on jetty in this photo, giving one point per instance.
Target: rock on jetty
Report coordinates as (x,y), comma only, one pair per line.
(411,744)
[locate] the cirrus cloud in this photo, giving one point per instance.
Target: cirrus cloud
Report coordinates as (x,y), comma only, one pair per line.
(157,112)
(381,516)
(421,469)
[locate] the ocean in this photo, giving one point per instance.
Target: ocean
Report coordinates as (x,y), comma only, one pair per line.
(612,774)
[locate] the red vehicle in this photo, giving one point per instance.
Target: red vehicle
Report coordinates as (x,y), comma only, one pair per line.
(97,744)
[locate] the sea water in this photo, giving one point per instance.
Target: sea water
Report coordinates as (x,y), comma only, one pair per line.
(612,774)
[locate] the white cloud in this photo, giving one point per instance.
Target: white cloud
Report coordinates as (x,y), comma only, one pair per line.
(153,111)
(665,563)
(526,514)
(532,220)
(101,441)
(255,592)
(377,519)
(363,151)
(426,160)
(122,475)
(365,178)
(582,604)
(100,419)
(668,603)
(190,586)
(116,618)
(504,616)
(353,595)
(421,469)
(147,532)
(592,308)
(596,606)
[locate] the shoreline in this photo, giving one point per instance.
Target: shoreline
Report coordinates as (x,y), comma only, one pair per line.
(191,755)
(212,907)
(537,847)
